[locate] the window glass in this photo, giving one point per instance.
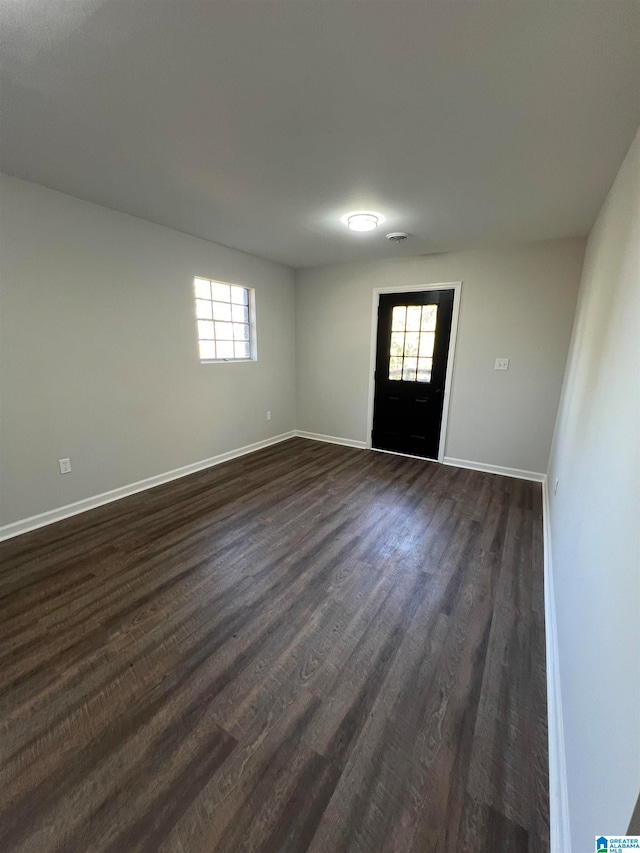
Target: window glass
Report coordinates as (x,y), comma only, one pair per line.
(225,321)
(413,337)
(203,289)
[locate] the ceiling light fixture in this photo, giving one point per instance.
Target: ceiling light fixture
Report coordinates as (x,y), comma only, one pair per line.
(362,220)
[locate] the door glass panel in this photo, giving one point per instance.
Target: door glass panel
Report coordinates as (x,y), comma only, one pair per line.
(413,318)
(395,368)
(424,369)
(429,318)
(427,339)
(412,342)
(409,369)
(397,343)
(398,318)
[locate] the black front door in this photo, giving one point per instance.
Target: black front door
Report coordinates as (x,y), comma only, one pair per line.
(411,365)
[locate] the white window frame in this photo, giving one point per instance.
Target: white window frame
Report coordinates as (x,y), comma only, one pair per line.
(253,344)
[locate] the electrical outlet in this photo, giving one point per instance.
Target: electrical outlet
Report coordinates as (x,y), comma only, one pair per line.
(65,466)
(502,364)
(268,416)
(555,487)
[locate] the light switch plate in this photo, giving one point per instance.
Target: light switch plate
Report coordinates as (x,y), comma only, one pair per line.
(502,364)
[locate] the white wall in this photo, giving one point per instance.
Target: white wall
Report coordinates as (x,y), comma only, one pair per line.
(517,302)
(595,524)
(99,358)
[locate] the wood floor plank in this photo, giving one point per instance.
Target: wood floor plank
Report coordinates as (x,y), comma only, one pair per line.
(504,712)
(223,802)
(309,648)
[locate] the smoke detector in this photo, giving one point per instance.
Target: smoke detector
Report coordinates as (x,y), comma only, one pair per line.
(397,236)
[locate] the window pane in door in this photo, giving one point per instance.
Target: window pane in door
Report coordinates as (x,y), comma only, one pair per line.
(411,343)
(427,340)
(413,318)
(395,368)
(429,318)
(398,318)
(409,369)
(424,369)
(397,343)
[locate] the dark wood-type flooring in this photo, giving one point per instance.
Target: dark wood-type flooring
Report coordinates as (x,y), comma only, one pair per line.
(308,648)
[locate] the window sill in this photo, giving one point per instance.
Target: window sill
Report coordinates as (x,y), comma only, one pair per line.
(227,360)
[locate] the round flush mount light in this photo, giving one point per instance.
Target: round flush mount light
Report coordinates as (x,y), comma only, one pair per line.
(362,220)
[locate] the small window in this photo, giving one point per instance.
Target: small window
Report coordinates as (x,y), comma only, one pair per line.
(225,317)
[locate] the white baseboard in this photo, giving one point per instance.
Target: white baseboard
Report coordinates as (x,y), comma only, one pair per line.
(448,460)
(53,515)
(518,473)
(332,439)
(558,791)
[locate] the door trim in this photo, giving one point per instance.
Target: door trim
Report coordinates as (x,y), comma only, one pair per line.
(456,286)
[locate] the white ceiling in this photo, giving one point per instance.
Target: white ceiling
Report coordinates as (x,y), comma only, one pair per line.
(259,124)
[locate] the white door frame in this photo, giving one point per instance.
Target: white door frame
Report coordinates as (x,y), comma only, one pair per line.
(456,286)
